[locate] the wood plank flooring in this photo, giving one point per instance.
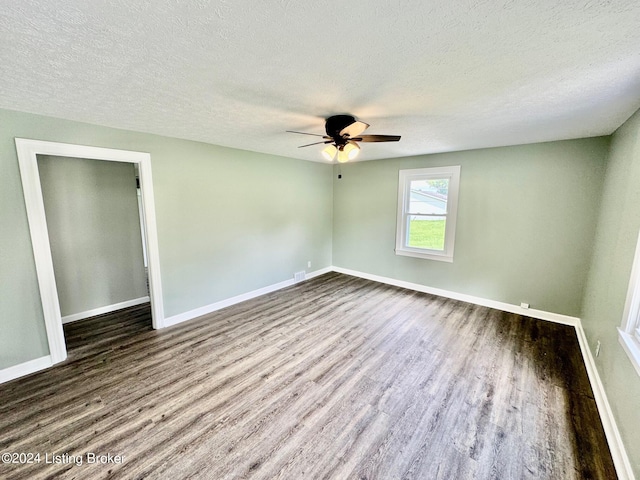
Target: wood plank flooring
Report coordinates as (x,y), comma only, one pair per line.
(336,378)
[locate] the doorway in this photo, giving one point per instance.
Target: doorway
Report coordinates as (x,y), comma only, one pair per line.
(28,151)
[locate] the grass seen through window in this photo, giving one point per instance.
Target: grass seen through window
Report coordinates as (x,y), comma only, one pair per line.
(426,234)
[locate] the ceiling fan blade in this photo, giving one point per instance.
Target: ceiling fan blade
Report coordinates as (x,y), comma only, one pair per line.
(315,143)
(376,138)
(355,129)
(305,133)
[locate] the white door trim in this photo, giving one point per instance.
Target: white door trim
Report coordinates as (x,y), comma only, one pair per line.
(27,158)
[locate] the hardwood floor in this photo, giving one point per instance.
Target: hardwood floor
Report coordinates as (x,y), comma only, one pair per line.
(336,378)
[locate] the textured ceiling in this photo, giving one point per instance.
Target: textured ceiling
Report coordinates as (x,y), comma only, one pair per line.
(446,75)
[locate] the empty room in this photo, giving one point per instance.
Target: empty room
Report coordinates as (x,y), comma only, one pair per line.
(389,240)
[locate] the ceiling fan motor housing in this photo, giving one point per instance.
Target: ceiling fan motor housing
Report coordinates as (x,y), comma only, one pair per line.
(343,133)
(335,124)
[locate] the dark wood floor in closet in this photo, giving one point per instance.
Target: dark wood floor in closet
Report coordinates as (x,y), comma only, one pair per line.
(336,377)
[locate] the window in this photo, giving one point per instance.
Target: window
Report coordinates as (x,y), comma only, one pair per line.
(629,332)
(427,204)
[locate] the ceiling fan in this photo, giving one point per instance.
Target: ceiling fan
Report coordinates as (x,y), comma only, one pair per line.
(343,133)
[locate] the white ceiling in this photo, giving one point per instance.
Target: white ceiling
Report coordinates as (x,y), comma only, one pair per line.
(446,75)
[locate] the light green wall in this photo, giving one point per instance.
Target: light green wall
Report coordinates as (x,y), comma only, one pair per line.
(606,291)
(229,221)
(232,221)
(93,222)
(22,332)
(525,226)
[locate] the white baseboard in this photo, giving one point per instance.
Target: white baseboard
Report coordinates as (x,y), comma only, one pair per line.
(317,273)
(618,452)
(506,307)
(25,368)
(106,309)
(32,366)
(198,312)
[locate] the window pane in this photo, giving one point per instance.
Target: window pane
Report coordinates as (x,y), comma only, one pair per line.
(426,232)
(426,216)
(429,196)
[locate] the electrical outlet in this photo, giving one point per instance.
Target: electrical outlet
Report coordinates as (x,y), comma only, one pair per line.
(598,348)
(524,305)
(309,264)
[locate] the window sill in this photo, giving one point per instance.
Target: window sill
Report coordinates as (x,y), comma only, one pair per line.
(441,257)
(632,347)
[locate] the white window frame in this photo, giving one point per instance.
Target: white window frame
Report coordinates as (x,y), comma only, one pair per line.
(451,173)
(629,332)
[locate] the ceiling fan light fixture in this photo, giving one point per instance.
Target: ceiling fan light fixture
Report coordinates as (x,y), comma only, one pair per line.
(348,152)
(352,150)
(343,134)
(329,152)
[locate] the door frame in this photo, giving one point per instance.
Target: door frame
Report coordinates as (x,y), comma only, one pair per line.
(27,151)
